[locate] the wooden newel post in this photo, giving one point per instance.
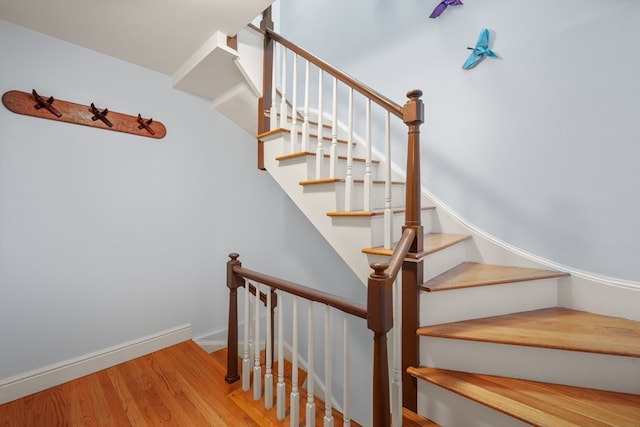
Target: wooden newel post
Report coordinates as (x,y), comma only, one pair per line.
(233,283)
(380,321)
(264,102)
(413,118)
(412,272)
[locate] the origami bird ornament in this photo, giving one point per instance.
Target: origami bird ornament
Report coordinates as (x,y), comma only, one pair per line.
(442,6)
(480,51)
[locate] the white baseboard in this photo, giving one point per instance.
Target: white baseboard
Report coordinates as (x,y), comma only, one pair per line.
(211,345)
(50,376)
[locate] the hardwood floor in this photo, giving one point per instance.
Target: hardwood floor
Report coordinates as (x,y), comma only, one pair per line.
(179,386)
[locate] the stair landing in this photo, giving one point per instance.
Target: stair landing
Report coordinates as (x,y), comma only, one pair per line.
(537,403)
(556,327)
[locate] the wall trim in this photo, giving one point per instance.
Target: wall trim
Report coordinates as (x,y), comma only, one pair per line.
(21,385)
(211,346)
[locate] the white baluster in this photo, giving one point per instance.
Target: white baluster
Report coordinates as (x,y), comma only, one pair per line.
(396,381)
(348,186)
(283,91)
(252,324)
(280,388)
(293,136)
(333,155)
(305,114)
(273,111)
(388,236)
(246,360)
(346,410)
(328,415)
(311,375)
(268,375)
(319,148)
(368,179)
(257,368)
(294,401)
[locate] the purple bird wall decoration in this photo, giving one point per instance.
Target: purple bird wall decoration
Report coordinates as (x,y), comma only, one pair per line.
(442,6)
(480,51)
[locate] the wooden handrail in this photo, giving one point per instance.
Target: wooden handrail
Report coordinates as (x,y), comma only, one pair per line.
(400,252)
(353,308)
(376,97)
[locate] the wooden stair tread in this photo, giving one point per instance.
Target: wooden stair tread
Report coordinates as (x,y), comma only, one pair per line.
(312,136)
(341,180)
(537,403)
(326,156)
(471,274)
(411,419)
(433,242)
(375,212)
(556,328)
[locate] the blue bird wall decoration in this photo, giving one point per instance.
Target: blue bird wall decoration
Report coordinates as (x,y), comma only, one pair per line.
(442,6)
(480,51)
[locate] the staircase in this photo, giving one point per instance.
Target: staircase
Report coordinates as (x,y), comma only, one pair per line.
(506,317)
(505,340)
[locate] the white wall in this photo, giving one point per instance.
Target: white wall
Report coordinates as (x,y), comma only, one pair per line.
(539,148)
(107,237)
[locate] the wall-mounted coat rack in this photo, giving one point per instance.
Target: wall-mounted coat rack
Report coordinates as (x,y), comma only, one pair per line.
(33,104)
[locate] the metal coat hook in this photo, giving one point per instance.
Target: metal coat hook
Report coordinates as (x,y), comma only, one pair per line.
(145,124)
(46,104)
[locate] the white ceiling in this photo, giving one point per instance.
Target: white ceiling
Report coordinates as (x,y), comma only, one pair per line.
(160,35)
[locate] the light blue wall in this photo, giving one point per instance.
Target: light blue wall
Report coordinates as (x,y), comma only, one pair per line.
(539,148)
(107,237)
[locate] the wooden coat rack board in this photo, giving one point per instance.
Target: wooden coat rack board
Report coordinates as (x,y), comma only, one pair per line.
(33,104)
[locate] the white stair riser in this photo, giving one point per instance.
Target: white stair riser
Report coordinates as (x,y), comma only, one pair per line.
(484,301)
(338,202)
(377,196)
(452,410)
(580,369)
(357,171)
(444,260)
(373,228)
(398,220)
(341,146)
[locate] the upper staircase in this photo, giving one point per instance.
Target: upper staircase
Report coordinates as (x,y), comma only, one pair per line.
(504,338)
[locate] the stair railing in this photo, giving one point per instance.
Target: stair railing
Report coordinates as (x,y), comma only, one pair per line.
(290,72)
(282,63)
(379,315)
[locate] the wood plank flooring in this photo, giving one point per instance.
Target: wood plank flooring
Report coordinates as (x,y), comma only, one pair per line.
(558,328)
(181,385)
(540,404)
